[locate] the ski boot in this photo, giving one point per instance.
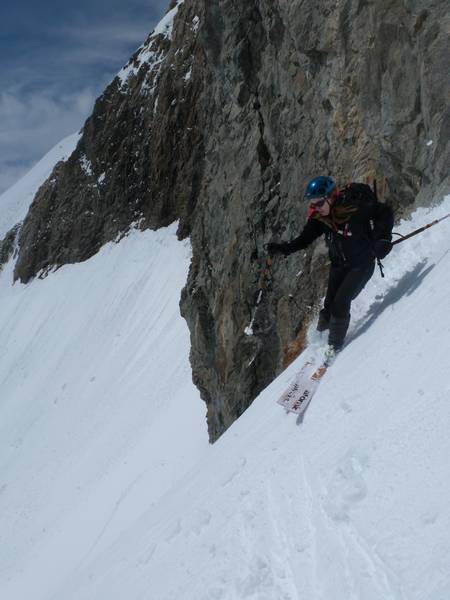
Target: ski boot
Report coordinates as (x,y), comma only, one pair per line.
(324,321)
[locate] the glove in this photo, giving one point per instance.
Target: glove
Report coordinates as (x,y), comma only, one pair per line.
(382,248)
(274,248)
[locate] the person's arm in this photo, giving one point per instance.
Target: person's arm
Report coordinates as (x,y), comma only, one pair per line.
(311,231)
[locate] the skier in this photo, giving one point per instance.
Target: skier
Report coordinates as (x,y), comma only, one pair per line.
(358,230)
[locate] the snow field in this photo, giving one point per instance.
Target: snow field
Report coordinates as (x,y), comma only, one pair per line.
(109,490)
(98,413)
(351,505)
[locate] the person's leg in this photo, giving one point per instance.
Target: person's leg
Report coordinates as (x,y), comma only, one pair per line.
(351,286)
(323,322)
(335,279)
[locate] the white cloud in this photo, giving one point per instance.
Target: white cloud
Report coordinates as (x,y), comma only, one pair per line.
(30,125)
(48,89)
(108,33)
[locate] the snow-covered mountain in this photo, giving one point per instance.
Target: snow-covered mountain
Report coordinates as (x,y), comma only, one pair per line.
(15,202)
(109,489)
(98,413)
(216,123)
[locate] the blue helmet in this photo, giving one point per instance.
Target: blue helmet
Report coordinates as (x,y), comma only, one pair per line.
(319,187)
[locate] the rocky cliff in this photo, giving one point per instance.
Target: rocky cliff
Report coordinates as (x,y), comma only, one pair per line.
(218,121)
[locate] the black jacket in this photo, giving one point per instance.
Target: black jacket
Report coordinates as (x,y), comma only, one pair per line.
(353,243)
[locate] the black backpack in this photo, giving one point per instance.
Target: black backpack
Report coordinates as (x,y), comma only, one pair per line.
(360,195)
(380,214)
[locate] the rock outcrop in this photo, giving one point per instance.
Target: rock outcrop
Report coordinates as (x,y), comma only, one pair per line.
(218,121)
(7,245)
(138,161)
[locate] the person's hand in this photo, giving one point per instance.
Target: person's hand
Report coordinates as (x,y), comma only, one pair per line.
(382,248)
(275,248)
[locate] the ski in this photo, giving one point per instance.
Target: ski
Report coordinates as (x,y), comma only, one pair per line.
(300,392)
(306,388)
(293,392)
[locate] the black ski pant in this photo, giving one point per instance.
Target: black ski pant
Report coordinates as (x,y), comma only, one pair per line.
(344,284)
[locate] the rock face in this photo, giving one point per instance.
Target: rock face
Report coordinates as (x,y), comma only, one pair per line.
(218,121)
(139,159)
(7,245)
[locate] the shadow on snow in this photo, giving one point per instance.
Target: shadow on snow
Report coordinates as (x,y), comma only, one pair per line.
(404,287)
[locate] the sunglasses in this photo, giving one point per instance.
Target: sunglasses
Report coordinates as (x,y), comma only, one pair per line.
(318,203)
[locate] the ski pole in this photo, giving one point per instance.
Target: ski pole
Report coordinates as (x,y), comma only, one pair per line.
(264,278)
(416,231)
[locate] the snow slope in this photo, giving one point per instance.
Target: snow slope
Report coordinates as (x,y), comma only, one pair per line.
(109,490)
(351,505)
(98,413)
(14,203)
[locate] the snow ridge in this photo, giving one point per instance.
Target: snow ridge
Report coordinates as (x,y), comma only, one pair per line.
(15,202)
(147,54)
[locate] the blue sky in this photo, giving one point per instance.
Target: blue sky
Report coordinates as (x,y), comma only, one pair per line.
(56,58)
